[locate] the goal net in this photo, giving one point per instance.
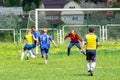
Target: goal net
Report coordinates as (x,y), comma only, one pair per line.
(7,34)
(106,21)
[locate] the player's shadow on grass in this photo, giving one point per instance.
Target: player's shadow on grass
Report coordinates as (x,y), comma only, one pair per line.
(79,74)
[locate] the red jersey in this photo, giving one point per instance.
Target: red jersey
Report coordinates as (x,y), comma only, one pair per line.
(74,37)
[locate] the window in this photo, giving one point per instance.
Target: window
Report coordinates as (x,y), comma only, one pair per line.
(72,7)
(74,18)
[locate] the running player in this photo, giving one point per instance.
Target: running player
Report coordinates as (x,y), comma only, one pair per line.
(45,44)
(29,45)
(36,34)
(91,41)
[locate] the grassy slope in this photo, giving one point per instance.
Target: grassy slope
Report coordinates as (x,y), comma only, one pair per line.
(60,66)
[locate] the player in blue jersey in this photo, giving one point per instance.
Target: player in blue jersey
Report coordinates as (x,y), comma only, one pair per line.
(91,41)
(36,34)
(45,44)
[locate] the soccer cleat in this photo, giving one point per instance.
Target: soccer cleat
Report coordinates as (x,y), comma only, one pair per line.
(91,72)
(45,61)
(27,58)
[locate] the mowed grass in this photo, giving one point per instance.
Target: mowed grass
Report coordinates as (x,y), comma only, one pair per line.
(60,66)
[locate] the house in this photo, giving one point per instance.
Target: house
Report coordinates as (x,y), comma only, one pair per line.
(74,17)
(65,17)
(11,10)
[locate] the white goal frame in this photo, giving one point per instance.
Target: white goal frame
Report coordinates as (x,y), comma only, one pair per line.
(77,9)
(10,30)
(106,28)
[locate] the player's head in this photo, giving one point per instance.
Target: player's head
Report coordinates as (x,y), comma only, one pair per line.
(45,30)
(91,30)
(33,28)
(72,31)
(28,31)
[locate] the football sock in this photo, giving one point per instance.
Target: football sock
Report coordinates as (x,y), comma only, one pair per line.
(46,56)
(33,52)
(89,66)
(68,51)
(93,65)
(22,56)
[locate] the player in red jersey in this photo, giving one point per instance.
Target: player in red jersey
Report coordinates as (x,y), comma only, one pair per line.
(75,40)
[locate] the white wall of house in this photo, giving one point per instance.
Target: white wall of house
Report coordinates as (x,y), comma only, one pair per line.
(72,17)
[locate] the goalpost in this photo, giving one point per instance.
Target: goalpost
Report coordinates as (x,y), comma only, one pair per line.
(95,17)
(13,30)
(78,9)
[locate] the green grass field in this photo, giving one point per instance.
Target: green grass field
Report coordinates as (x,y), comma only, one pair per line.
(60,66)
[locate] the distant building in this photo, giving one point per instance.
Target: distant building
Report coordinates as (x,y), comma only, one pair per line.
(75,17)
(11,10)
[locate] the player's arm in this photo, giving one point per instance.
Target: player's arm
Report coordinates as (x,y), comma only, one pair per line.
(24,38)
(66,36)
(50,38)
(54,43)
(83,43)
(79,38)
(97,42)
(36,39)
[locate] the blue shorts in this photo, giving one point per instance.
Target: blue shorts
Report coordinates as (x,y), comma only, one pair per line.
(44,51)
(28,47)
(74,43)
(91,55)
(34,45)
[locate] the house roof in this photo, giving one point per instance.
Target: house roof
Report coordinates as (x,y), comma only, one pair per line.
(54,3)
(118,0)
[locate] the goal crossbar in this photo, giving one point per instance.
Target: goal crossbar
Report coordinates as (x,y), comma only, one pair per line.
(80,9)
(77,9)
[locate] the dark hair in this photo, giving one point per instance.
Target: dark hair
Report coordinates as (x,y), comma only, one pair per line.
(91,29)
(33,27)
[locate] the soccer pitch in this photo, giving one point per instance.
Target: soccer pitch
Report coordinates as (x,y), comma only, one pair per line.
(60,66)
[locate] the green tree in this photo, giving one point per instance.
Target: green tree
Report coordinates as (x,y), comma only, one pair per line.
(26,7)
(33,6)
(11,3)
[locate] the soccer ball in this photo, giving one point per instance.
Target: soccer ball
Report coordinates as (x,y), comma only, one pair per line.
(33,56)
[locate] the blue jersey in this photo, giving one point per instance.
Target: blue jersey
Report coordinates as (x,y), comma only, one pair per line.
(45,41)
(36,35)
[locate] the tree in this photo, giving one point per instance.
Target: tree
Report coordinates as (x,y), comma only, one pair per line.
(26,7)
(31,3)
(11,3)
(33,6)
